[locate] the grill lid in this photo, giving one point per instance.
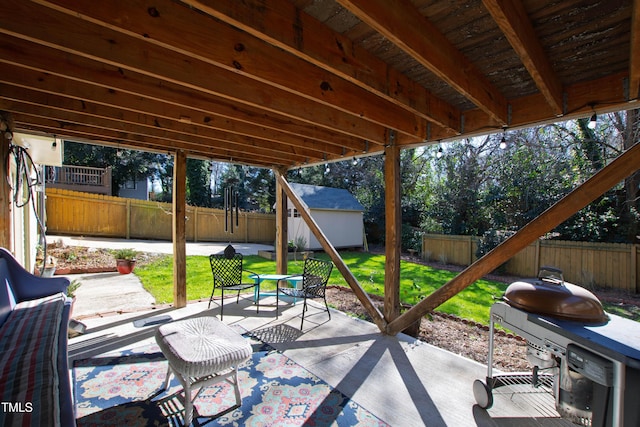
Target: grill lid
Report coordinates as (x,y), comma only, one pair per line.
(549,295)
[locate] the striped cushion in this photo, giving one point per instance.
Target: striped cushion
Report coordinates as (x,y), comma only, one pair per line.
(29,360)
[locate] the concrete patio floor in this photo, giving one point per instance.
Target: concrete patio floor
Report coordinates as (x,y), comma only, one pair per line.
(403,381)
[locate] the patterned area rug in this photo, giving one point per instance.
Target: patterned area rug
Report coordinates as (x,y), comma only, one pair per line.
(122,388)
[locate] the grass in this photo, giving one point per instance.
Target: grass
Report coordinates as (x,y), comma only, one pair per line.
(623,310)
(416,281)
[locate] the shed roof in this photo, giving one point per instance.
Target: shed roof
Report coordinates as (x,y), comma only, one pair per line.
(318,197)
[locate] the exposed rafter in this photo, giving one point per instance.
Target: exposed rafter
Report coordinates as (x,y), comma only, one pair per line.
(316,43)
(512,19)
(131,55)
(634,54)
(403,24)
(16,99)
(78,80)
(210,47)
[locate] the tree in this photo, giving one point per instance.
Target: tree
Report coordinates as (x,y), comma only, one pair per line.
(628,125)
(261,189)
(165,177)
(613,217)
(460,173)
(198,183)
(524,178)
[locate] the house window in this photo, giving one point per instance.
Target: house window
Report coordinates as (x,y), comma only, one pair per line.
(130,185)
(288,213)
(296,214)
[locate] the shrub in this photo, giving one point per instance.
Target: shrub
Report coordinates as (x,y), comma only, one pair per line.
(411,237)
(489,240)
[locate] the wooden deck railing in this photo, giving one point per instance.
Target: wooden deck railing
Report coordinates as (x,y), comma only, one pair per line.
(79,178)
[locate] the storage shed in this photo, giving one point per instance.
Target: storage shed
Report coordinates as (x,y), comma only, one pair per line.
(336,211)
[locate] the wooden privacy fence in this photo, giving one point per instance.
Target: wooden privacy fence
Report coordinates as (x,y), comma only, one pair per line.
(76,213)
(605,265)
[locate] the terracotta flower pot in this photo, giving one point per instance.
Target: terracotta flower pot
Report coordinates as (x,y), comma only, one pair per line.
(125,266)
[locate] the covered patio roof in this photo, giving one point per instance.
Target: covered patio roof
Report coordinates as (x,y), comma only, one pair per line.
(285,83)
(289,83)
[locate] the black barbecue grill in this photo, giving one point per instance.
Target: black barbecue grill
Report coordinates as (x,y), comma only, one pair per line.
(587,359)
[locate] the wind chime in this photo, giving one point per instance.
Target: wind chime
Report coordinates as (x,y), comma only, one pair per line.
(230,209)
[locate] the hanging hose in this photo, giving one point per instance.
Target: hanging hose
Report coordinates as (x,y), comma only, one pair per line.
(23,188)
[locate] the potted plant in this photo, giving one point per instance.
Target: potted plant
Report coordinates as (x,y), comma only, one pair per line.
(125,260)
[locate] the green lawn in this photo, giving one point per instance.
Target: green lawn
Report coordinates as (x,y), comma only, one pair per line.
(416,281)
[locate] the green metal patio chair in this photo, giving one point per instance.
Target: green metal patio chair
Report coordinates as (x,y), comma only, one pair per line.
(315,277)
(227,272)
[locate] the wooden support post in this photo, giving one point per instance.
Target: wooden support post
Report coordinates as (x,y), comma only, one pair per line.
(281,227)
(5,196)
(393,226)
(623,166)
(303,210)
(179,230)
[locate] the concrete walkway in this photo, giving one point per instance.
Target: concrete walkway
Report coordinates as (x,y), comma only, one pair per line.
(108,293)
(158,246)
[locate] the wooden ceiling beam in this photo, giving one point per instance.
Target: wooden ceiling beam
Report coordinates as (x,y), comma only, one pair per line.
(634,61)
(157,115)
(513,20)
(213,48)
(101,129)
(130,55)
(88,79)
(403,24)
(604,94)
(309,39)
(121,139)
(154,129)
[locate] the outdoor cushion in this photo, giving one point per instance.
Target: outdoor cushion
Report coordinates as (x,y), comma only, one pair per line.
(29,343)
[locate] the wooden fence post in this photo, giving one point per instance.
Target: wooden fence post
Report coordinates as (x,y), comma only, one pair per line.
(195,223)
(246,227)
(634,269)
(128,219)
